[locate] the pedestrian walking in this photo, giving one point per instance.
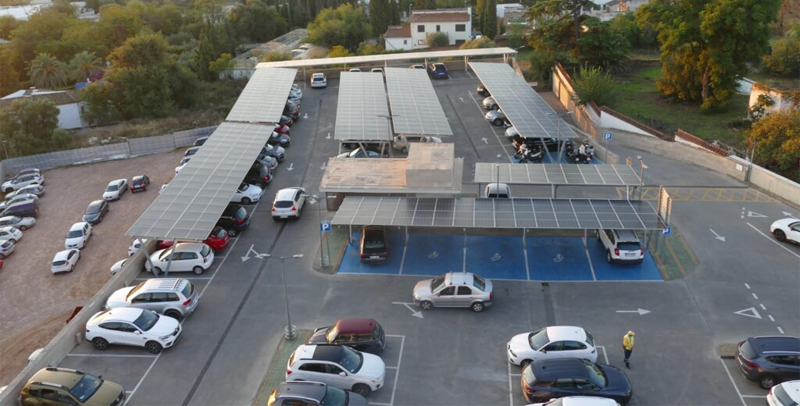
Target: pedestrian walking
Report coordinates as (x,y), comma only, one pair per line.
(628,341)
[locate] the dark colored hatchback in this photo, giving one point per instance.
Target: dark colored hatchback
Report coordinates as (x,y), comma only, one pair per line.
(27,208)
(374,246)
(313,394)
(258,174)
(558,377)
(769,360)
(140,182)
(95,212)
(360,334)
(234,219)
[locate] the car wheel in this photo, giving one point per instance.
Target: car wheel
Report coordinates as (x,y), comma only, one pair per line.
(525,363)
(232,233)
(13,241)
(246,200)
(477,307)
(2,257)
(404,150)
(153,347)
(496,107)
(23,228)
(608,257)
(198,270)
(362,389)
(174,314)
(426,305)
(767,382)
(100,343)
(780,235)
(100,219)
(498,122)
(156,271)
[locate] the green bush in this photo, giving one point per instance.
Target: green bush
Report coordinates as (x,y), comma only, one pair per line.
(594,84)
(438,39)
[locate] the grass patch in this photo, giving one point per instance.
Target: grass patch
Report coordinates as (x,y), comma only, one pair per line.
(777,82)
(640,100)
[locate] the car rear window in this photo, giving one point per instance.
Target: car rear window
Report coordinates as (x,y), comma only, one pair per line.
(479,283)
(240,214)
(629,246)
(220,233)
(318,79)
(529,376)
(188,290)
(59,263)
(373,239)
(92,209)
(782,396)
(205,250)
(747,350)
(284,204)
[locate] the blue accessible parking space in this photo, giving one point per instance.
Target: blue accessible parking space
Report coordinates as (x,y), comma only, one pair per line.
(351,262)
(647,271)
(433,254)
(558,259)
(496,257)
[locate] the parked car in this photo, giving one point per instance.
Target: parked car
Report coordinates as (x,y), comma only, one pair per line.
(27,171)
(279,139)
(140,182)
(136,244)
(622,246)
(482,91)
(78,235)
(246,194)
(550,144)
(218,239)
(117,266)
(22,223)
(318,80)
(784,394)
(497,191)
(288,203)
(296,92)
(64,261)
(234,219)
(496,117)
(490,104)
(551,342)
(292,110)
(132,326)
(277,152)
(10,233)
(362,334)
(360,153)
(377,70)
(27,208)
(355,70)
(438,71)
(554,378)
(173,297)
(339,366)
(115,189)
(402,142)
(23,197)
(95,212)
(373,245)
(282,129)
(313,394)
(64,386)
(286,120)
(786,230)
(769,360)
(186,257)
(37,190)
(20,182)
(200,141)
(6,248)
(269,161)
(417,66)
(579,401)
(179,168)
(191,151)
(454,289)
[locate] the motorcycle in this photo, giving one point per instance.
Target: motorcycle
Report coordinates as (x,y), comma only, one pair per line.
(529,155)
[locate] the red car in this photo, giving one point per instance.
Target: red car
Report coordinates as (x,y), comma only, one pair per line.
(282,129)
(218,239)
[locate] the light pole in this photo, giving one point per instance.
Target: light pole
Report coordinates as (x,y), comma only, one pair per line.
(290,332)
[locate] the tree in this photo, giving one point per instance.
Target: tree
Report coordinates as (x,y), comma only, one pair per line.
(257,22)
(482,42)
(706,44)
(118,23)
(601,46)
(48,72)
(379,16)
(222,66)
(366,48)
(515,32)
(636,37)
(83,64)
(542,63)
(345,25)
(478,20)
(30,126)
(758,110)
(546,9)
(785,56)
(489,19)
(42,34)
(338,51)
(275,56)
(394,12)
(9,76)
(437,39)
(7,24)
(215,40)
(777,141)
(424,4)
(595,85)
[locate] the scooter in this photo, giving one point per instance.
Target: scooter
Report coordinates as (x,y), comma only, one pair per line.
(529,155)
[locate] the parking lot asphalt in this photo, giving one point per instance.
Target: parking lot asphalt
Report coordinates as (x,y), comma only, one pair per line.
(455,356)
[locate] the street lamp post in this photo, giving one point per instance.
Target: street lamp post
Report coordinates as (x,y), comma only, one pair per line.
(290,332)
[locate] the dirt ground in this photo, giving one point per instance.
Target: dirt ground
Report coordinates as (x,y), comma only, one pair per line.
(35,303)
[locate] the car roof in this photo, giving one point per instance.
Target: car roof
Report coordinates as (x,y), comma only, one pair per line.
(560,333)
(308,390)
(459,278)
(78,226)
(317,75)
(188,246)
(138,177)
(9,229)
(331,353)
(128,314)
(356,326)
(62,255)
(8,218)
(96,203)
(587,401)
(558,368)
(286,194)
(116,181)
(792,389)
(767,344)
(626,235)
(59,376)
(170,284)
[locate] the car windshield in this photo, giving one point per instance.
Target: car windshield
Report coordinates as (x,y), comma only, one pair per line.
(596,375)
(112,188)
(539,339)
(782,396)
(86,387)
(479,283)
(527,374)
(188,290)
(243,187)
(436,282)
(334,397)
(589,338)
(351,359)
(241,214)
(92,209)
(284,204)
(164,254)
(205,251)
(75,233)
(146,320)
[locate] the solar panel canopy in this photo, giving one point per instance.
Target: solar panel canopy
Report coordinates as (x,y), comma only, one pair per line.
(517,213)
(415,106)
(528,112)
(362,113)
(189,207)
(264,97)
(557,174)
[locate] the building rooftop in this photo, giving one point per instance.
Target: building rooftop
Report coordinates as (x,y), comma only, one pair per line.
(433,16)
(59,97)
(398,31)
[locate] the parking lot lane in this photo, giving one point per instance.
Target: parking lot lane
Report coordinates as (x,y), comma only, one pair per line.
(433,254)
(125,371)
(351,261)
(558,259)
(496,256)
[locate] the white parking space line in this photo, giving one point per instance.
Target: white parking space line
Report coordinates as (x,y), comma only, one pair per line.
(197,278)
(397,368)
(754,396)
(781,330)
(112,355)
(773,240)
(491,126)
(588,257)
(135,388)
(741,398)
(510,386)
(605,353)
(403,259)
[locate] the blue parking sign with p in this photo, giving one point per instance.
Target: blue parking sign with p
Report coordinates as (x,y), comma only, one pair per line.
(607,136)
(666,231)
(325,226)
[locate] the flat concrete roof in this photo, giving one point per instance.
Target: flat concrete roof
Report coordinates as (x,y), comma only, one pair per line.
(455,53)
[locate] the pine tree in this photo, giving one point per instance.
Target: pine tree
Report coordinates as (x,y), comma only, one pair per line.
(489,19)
(394,12)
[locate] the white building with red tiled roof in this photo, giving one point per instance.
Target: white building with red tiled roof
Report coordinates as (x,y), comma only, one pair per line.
(456,23)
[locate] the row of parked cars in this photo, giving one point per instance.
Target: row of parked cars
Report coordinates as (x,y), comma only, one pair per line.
(20,208)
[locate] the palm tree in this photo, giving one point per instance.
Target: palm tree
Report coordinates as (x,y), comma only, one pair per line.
(47,72)
(83,64)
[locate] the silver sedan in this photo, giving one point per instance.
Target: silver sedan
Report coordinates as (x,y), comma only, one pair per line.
(454,289)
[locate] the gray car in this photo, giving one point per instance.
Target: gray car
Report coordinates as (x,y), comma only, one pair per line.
(313,393)
(496,117)
(176,298)
(454,289)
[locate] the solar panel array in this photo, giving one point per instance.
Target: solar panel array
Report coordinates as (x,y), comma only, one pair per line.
(557,174)
(498,213)
(362,113)
(524,108)
(264,97)
(415,106)
(193,201)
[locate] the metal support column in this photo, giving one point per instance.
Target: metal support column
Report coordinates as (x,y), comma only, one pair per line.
(464,258)
(169,260)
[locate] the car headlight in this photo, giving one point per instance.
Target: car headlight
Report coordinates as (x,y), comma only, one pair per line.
(510,351)
(162,338)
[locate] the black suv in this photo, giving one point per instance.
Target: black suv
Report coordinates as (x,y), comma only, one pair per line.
(234,219)
(554,378)
(313,394)
(361,334)
(373,244)
(769,360)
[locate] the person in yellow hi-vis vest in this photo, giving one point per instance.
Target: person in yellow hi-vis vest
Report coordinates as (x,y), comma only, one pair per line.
(628,341)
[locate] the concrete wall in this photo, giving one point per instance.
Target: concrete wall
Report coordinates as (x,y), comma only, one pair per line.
(771,182)
(69,336)
(392,44)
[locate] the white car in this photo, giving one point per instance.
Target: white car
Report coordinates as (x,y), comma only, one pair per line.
(135,245)
(401,142)
(355,70)
(785,394)
(247,194)
(511,132)
(10,233)
(338,366)
(115,189)
(22,223)
(37,190)
(786,230)
(65,261)
(178,169)
(117,266)
(22,181)
(132,326)
(288,203)
(318,80)
(551,342)
(78,235)
(6,248)
(186,257)
(296,92)
(579,401)
(621,246)
(490,104)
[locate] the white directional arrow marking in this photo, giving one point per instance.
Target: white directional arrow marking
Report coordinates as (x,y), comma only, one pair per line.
(255,254)
(305,115)
(754,214)
(786,213)
(414,313)
(641,312)
(324,165)
(328,137)
(291,167)
(749,312)
(485,141)
(462,99)
(717,236)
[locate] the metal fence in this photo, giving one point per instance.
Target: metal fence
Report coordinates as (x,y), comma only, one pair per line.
(133,147)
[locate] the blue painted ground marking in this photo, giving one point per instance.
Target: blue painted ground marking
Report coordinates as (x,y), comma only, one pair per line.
(558,259)
(351,263)
(496,257)
(433,254)
(647,271)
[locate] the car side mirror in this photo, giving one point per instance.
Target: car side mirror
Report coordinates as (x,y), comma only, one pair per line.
(543,350)
(342,374)
(137,332)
